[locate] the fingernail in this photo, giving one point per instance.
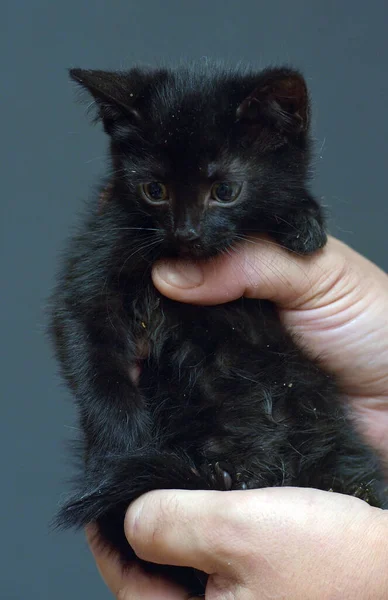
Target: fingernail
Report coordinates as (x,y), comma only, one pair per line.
(181,275)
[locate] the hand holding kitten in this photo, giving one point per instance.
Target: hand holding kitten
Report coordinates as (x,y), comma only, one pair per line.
(334,302)
(283,543)
(295,543)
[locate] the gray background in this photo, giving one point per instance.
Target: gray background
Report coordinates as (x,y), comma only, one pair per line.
(51,156)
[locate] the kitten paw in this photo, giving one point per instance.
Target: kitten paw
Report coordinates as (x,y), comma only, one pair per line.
(306,240)
(241,483)
(242,486)
(303,232)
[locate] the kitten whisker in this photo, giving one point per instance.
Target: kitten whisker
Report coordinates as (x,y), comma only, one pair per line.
(265,241)
(260,273)
(90,160)
(138,228)
(286,222)
(109,309)
(137,251)
(271,243)
(268,242)
(230,250)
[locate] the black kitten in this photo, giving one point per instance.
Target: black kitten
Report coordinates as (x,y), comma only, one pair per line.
(180,396)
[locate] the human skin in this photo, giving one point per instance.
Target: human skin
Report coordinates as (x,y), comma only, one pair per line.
(283,542)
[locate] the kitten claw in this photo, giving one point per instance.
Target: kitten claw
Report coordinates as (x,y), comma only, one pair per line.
(221,476)
(222,479)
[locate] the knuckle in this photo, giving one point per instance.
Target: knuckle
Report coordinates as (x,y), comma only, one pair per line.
(229,530)
(150,519)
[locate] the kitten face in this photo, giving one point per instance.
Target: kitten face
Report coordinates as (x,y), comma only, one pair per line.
(207,156)
(198,218)
(199,212)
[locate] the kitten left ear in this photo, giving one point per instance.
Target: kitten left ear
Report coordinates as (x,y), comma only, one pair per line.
(281,98)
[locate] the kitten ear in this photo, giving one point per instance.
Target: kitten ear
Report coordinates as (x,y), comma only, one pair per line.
(281,98)
(116,95)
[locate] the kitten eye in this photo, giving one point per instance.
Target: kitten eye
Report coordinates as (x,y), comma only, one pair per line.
(225,191)
(155,191)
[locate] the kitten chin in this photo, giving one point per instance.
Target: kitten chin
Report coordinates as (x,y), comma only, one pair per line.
(196,252)
(171,395)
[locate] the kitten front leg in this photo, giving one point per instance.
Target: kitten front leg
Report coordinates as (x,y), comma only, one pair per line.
(97,359)
(302,231)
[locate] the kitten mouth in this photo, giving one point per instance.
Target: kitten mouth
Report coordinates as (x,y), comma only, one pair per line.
(201,254)
(192,251)
(198,251)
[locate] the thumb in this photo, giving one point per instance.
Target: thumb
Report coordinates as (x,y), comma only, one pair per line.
(187,529)
(259,269)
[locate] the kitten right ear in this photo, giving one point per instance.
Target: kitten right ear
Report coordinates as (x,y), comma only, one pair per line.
(116,95)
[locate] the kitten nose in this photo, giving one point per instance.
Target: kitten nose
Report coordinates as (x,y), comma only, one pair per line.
(187,234)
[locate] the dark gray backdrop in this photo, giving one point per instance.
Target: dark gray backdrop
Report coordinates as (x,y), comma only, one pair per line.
(51,157)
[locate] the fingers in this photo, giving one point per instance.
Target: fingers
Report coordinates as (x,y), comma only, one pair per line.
(258,544)
(107,564)
(243,537)
(260,269)
(204,530)
(142,586)
(132,583)
(332,302)
(257,270)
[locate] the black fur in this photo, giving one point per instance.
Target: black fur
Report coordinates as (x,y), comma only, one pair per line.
(180,396)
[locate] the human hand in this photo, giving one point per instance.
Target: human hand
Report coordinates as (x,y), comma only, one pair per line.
(284,543)
(335,302)
(293,542)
